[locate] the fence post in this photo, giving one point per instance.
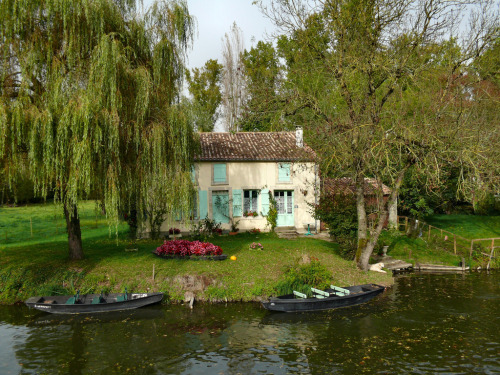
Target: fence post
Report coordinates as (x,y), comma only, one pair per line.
(455,244)
(406,224)
(471,247)
(429,234)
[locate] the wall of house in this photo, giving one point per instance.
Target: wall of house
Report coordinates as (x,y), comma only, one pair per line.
(260,176)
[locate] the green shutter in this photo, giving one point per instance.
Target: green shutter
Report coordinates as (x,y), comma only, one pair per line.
(264,201)
(283,172)
(203,204)
(193,174)
(237,211)
(219,173)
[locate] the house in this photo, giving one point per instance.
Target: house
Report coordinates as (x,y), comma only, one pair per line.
(236,173)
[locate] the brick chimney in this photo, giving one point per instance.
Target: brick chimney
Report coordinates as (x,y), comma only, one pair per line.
(299,136)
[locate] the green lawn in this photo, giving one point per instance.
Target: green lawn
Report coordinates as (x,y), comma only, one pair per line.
(41,223)
(34,268)
(440,250)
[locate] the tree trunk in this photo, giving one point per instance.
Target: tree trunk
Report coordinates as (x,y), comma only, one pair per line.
(365,247)
(362,222)
(74,232)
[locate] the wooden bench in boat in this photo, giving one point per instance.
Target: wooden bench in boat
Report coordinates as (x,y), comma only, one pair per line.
(340,291)
(320,293)
(299,295)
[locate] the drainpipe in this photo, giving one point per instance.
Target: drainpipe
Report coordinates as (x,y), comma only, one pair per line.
(299,136)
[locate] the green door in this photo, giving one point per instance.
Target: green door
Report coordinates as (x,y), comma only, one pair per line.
(220,206)
(284,205)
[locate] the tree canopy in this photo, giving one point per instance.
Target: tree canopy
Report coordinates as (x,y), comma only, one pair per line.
(88,99)
(385,85)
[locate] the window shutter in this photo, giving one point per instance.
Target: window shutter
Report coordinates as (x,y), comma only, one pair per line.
(264,201)
(203,204)
(193,174)
(219,173)
(284,172)
(237,203)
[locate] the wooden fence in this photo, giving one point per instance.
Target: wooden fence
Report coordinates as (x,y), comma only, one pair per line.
(459,242)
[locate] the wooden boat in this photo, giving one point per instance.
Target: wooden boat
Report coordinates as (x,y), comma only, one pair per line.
(331,298)
(93,303)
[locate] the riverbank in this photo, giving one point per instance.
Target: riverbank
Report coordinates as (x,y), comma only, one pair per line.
(110,265)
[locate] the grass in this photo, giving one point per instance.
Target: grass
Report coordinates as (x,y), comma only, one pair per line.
(42,268)
(42,223)
(439,249)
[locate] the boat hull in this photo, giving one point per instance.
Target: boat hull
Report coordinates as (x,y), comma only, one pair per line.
(111,302)
(359,294)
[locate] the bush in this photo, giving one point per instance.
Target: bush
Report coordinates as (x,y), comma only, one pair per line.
(339,212)
(303,277)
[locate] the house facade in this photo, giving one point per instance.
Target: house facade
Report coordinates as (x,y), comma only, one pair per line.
(236,174)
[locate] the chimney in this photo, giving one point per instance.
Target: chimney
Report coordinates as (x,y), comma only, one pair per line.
(299,138)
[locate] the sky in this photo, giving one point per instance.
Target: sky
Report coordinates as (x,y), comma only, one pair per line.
(214,19)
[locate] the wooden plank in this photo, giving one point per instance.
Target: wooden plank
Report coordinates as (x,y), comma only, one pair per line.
(298,294)
(320,292)
(345,292)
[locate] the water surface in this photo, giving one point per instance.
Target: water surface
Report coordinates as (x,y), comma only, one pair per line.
(425,324)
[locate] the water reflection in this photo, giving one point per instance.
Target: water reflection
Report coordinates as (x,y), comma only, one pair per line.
(425,323)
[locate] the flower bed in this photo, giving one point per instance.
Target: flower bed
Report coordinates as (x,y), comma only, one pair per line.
(182,249)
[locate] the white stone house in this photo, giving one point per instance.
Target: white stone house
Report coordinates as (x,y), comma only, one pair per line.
(235,173)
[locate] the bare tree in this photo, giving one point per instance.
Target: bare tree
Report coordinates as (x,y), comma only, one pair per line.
(233,79)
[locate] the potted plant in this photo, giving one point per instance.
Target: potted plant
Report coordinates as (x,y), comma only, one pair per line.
(174,233)
(234,227)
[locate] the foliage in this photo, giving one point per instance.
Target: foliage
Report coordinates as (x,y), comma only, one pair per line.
(88,98)
(303,277)
(250,213)
(234,225)
(187,248)
(272,214)
(380,89)
(174,231)
(338,211)
(206,228)
(204,86)
(262,111)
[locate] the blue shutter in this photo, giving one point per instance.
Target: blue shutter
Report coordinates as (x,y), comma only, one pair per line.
(203,204)
(237,203)
(264,201)
(219,173)
(283,172)
(193,174)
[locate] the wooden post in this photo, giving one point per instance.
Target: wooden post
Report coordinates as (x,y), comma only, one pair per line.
(455,244)
(31,226)
(471,247)
(429,234)
(153,272)
(406,224)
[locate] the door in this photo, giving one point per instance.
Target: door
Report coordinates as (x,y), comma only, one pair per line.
(284,205)
(220,206)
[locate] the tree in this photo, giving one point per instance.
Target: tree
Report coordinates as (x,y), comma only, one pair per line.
(263,78)
(204,86)
(88,98)
(383,85)
(233,80)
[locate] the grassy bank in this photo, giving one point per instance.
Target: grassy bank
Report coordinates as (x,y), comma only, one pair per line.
(110,265)
(438,249)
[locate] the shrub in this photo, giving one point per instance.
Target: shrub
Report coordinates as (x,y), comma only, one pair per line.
(303,277)
(174,231)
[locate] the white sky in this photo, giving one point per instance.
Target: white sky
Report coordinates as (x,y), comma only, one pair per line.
(214,19)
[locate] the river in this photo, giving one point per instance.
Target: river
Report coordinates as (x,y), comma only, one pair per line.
(424,324)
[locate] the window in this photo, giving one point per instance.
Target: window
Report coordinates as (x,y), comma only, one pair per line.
(250,202)
(284,172)
(219,174)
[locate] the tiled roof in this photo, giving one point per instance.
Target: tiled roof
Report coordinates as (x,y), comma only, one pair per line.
(257,146)
(346,186)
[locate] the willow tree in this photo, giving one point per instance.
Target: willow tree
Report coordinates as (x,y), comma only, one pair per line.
(88,98)
(382,90)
